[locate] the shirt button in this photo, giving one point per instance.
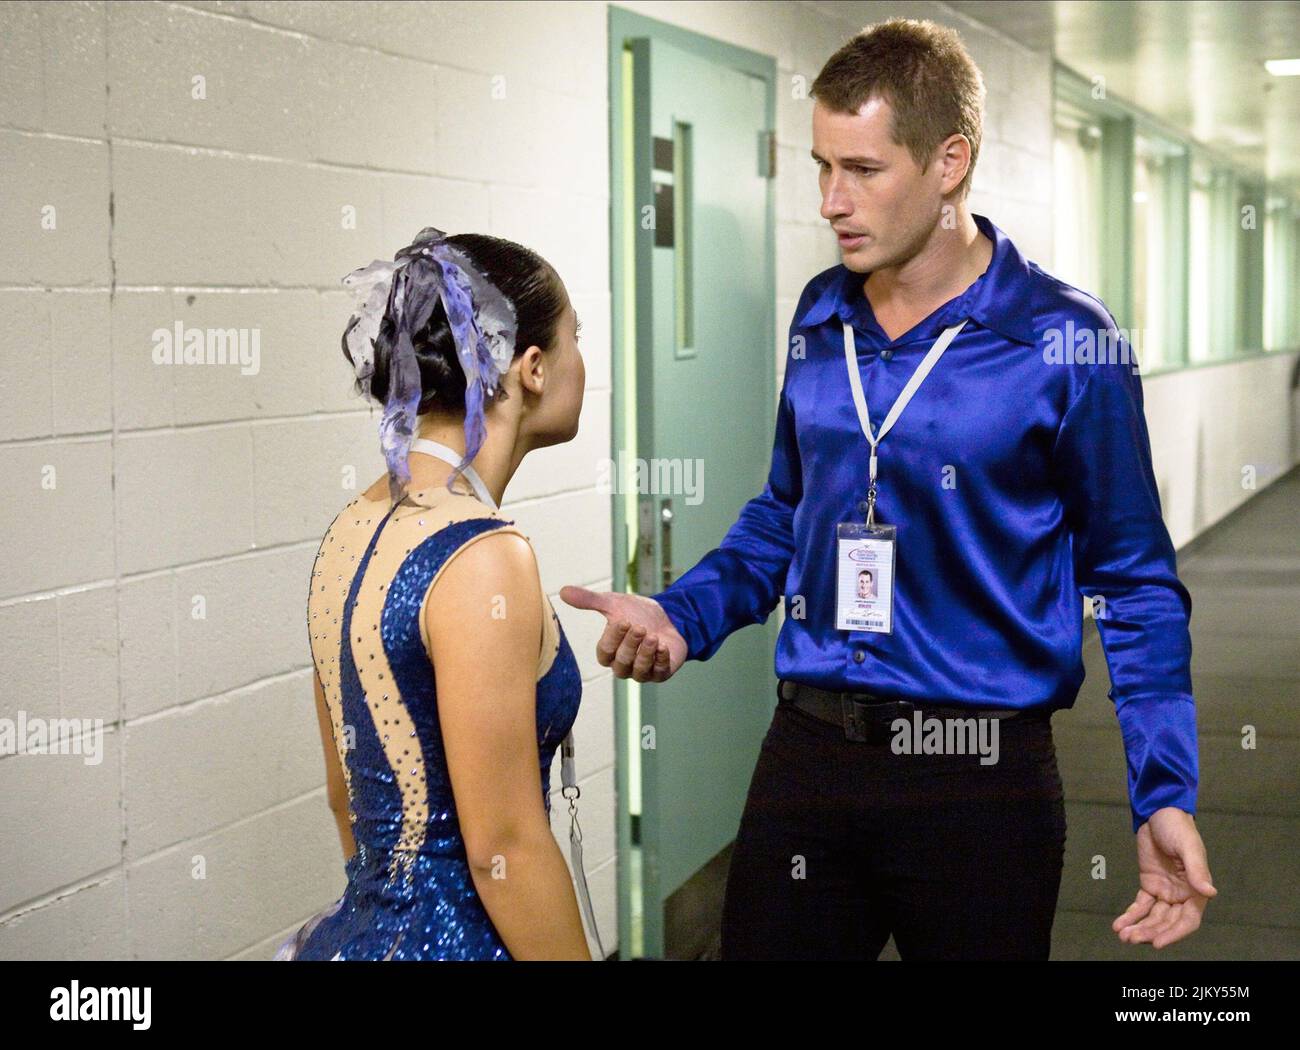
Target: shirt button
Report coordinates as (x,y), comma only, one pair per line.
(887,355)
(858,656)
(862,506)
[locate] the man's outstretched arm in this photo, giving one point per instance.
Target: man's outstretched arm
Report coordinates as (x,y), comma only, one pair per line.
(736,584)
(740,581)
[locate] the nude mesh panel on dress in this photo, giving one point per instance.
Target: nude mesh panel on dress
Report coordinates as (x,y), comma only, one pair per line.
(426,512)
(332,572)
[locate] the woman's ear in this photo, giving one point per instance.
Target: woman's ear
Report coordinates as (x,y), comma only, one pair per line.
(531,370)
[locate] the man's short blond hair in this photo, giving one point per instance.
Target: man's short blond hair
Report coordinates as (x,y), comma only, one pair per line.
(923,70)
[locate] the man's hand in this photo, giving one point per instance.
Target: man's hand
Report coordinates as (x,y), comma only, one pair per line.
(1175,881)
(639,642)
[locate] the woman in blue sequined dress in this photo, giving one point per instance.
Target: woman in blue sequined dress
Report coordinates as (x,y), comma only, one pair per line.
(444,682)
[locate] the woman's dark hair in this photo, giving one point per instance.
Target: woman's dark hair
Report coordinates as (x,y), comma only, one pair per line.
(524,277)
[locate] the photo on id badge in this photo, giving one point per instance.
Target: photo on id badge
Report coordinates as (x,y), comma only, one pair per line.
(865,577)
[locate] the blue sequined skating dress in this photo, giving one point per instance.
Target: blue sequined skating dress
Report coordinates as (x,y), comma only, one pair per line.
(409,893)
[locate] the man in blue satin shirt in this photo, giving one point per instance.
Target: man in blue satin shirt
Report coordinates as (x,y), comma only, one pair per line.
(1018,477)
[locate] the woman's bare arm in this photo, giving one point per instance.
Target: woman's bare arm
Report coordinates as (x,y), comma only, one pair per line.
(484,623)
(336,789)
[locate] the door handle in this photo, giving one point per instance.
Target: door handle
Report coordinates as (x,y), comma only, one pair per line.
(666,539)
(643,563)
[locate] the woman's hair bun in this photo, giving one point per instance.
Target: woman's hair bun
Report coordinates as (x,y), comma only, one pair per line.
(524,277)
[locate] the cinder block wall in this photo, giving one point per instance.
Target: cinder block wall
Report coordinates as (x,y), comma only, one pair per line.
(222,166)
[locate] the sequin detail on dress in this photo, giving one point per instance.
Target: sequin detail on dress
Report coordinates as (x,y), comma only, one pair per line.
(410,895)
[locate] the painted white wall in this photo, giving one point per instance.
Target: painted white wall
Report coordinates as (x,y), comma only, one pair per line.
(178,483)
(1219,434)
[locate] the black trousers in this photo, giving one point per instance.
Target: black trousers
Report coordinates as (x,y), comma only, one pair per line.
(843,843)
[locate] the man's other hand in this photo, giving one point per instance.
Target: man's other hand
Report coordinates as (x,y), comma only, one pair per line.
(1175,881)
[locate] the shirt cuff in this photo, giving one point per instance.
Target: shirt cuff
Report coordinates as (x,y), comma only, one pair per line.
(678,609)
(1160,746)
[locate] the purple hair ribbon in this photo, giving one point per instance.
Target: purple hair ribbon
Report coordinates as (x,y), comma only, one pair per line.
(483,327)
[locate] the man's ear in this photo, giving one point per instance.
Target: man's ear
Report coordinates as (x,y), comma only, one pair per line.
(956,151)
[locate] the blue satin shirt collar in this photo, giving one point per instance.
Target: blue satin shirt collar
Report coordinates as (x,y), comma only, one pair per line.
(1000,299)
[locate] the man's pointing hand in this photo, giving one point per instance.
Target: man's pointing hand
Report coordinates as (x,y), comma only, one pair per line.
(639,642)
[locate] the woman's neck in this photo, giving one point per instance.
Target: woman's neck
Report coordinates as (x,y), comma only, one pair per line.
(495,463)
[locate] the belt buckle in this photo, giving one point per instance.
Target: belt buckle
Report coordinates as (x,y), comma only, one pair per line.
(868,723)
(856,724)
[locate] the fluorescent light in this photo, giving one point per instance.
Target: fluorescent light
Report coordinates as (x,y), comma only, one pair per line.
(1283,67)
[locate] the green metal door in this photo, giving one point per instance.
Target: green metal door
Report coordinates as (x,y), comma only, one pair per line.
(699,365)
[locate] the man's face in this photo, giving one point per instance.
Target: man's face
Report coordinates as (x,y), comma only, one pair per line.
(872,187)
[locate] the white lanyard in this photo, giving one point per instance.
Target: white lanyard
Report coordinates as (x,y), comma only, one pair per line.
(568,771)
(859,399)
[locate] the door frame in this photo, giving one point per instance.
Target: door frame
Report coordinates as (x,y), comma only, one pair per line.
(627,331)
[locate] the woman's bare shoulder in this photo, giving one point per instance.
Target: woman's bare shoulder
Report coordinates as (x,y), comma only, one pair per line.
(486,598)
(495,560)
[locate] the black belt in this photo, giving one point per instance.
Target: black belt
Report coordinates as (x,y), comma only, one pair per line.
(867,717)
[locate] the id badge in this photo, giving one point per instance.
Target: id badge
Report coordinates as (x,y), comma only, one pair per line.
(865,577)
